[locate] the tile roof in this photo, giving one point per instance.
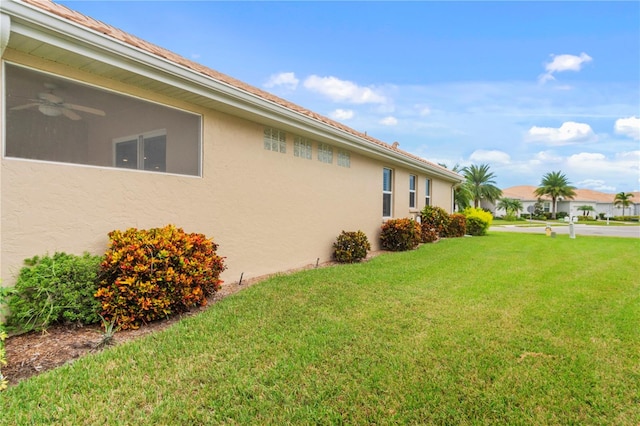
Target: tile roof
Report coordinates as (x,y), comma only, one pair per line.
(525,192)
(115,33)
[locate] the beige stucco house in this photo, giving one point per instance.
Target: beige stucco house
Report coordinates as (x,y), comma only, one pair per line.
(103,131)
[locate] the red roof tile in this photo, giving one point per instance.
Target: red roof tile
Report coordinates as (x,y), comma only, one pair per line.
(526,192)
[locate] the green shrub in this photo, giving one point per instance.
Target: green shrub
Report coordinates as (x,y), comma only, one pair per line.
(560,215)
(476,226)
(478,221)
(54,289)
(626,218)
(400,234)
(152,274)
(586,219)
(351,247)
(457,226)
(432,219)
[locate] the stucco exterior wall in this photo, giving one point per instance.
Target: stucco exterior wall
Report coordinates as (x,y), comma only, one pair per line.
(268,211)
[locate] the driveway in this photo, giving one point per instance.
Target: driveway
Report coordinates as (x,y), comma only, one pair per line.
(580,229)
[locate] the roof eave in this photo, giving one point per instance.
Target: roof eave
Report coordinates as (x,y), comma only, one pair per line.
(50,28)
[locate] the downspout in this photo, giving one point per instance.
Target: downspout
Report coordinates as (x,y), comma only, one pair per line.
(5,31)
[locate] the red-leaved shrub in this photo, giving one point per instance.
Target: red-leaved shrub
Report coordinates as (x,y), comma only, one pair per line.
(400,234)
(457,225)
(155,273)
(433,220)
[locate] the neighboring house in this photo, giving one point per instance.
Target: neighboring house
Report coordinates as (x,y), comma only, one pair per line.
(600,201)
(104,131)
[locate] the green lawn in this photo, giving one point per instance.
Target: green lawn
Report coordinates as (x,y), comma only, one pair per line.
(510,329)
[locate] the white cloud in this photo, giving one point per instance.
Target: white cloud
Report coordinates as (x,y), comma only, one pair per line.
(632,156)
(286,79)
(623,169)
(562,63)
(595,184)
(568,133)
(389,121)
(343,91)
(485,156)
(545,157)
(586,157)
(628,126)
(342,114)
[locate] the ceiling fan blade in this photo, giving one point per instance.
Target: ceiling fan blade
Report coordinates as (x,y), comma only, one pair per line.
(16,108)
(50,97)
(85,109)
(70,114)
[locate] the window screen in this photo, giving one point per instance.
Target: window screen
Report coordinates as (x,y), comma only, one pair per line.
(51,118)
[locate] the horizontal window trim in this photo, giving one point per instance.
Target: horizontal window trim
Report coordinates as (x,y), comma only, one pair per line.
(91,166)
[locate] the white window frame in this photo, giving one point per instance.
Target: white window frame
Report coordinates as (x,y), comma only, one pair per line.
(325,153)
(427,192)
(302,148)
(139,138)
(344,158)
(275,140)
(413,180)
(387,192)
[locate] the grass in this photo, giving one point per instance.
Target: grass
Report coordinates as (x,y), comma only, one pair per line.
(504,329)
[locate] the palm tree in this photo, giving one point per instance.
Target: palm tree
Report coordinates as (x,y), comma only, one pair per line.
(555,185)
(480,183)
(511,205)
(622,199)
(586,210)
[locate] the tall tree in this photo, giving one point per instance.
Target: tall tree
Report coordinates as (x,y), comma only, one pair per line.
(622,199)
(480,183)
(555,185)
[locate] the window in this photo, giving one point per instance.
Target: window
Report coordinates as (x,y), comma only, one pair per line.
(51,118)
(325,153)
(344,159)
(387,176)
(302,147)
(412,192)
(147,151)
(547,206)
(275,140)
(427,192)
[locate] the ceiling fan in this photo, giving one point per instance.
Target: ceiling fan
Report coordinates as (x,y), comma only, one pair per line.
(52,105)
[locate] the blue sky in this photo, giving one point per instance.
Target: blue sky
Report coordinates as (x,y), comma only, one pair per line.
(526,87)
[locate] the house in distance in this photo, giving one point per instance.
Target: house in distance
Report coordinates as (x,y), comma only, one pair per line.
(105,131)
